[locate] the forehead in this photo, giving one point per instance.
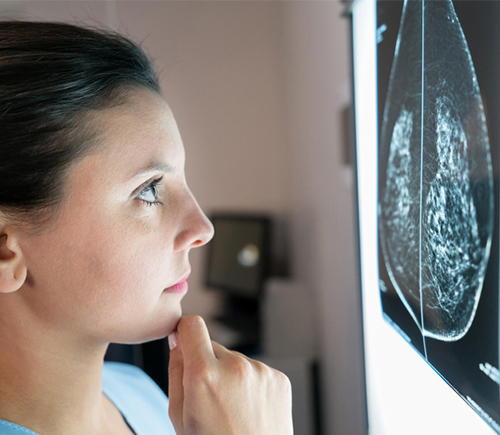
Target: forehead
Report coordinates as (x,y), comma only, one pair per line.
(139,131)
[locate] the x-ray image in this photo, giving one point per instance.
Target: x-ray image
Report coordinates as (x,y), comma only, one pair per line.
(438,92)
(436,205)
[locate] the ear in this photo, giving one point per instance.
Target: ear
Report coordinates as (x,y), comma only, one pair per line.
(13,271)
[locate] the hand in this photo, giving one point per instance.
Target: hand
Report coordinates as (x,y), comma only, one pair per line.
(215,391)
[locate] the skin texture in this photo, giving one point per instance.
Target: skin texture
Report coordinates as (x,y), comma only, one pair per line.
(97,275)
(215,391)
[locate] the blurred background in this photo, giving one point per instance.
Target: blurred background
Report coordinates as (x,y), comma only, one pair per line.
(261,91)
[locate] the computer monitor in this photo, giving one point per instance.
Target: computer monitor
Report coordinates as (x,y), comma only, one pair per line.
(238,258)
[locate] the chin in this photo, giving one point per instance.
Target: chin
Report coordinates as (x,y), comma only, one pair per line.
(155,331)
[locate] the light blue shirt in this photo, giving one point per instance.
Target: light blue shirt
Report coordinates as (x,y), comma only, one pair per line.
(141,401)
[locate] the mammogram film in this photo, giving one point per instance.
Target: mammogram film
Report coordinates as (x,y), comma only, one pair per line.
(436,200)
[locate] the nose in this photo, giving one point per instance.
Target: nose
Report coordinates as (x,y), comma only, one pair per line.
(196,229)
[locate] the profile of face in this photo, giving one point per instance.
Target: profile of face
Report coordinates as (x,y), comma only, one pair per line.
(99,273)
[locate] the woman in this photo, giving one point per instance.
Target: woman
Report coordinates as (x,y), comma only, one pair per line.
(96,225)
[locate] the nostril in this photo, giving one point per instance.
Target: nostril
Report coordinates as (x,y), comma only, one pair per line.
(205,237)
(193,237)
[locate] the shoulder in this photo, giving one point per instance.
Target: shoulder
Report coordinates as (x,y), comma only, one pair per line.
(137,396)
(129,377)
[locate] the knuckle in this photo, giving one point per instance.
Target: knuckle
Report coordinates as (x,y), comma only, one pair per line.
(262,369)
(241,366)
(284,381)
(199,370)
(203,374)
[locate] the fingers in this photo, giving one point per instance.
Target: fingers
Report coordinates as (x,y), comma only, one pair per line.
(175,388)
(195,340)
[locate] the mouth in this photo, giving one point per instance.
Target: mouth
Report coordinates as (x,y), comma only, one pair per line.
(179,287)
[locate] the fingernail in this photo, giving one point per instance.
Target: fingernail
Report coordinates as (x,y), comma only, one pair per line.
(172,340)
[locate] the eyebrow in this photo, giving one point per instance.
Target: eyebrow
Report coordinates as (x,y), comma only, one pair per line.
(154,166)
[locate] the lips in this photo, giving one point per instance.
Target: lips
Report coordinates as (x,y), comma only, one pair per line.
(179,287)
(184,278)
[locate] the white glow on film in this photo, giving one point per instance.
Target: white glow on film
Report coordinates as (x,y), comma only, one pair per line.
(404,395)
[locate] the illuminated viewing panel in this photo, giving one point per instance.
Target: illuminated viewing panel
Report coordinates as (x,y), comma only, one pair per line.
(427,105)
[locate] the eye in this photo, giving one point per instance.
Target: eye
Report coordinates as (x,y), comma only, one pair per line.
(150,193)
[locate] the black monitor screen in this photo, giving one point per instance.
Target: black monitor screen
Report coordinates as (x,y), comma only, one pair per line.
(238,254)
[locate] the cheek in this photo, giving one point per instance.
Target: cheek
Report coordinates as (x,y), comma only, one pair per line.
(103,274)
(122,273)
(124,280)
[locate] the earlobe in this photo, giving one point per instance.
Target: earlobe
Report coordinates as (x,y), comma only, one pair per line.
(13,271)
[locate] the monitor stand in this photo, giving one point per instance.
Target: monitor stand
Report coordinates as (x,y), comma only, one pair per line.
(242,315)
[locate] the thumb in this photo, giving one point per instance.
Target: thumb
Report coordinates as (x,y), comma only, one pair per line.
(175,387)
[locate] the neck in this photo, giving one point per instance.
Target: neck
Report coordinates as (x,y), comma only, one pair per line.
(51,383)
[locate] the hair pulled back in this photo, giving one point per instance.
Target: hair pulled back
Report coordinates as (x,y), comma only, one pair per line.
(52,76)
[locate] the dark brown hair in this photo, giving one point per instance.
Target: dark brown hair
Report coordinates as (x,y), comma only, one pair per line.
(52,77)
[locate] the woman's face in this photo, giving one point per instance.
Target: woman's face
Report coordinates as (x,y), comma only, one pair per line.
(100,272)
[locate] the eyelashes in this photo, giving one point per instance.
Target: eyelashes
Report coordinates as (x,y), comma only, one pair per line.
(151,187)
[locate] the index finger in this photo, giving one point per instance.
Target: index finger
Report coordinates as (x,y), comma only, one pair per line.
(194,339)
